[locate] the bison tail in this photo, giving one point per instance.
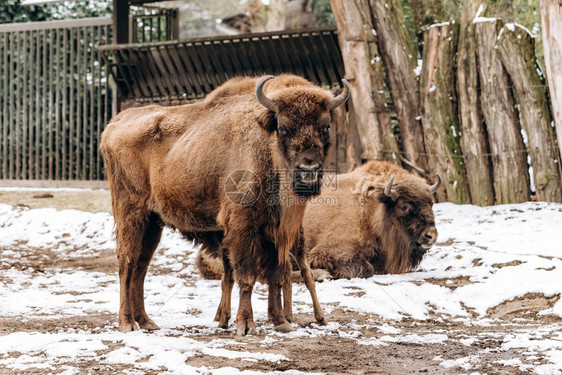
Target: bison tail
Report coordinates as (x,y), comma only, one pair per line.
(210,267)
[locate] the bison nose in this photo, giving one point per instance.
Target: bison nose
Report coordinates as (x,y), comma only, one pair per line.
(430,235)
(309,168)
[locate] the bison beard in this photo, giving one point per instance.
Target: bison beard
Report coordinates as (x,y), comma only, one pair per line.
(170,166)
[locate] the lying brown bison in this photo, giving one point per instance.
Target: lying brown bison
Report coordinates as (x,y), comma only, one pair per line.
(225,172)
(376,219)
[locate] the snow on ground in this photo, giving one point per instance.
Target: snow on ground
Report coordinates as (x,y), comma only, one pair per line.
(485,257)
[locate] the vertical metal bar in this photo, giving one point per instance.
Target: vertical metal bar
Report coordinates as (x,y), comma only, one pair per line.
(37,103)
(18,105)
(159,33)
(79,100)
(98,104)
(91,116)
(44,110)
(49,125)
(23,99)
(3,107)
(72,104)
(57,132)
(84,150)
(64,121)
(10,95)
(30,103)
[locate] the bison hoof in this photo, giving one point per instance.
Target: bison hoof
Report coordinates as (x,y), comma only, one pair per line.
(320,274)
(149,326)
(284,328)
(246,328)
(128,327)
(289,318)
(322,321)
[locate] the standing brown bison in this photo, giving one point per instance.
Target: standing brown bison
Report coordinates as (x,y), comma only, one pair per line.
(225,171)
(376,219)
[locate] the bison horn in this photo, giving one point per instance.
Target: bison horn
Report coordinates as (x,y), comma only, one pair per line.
(387,189)
(433,188)
(407,162)
(341,98)
(264,100)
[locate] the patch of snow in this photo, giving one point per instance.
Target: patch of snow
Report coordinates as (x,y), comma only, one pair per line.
(504,252)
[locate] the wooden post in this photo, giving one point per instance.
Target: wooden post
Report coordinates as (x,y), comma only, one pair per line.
(551,24)
(439,117)
(517,52)
(474,143)
(400,61)
(364,71)
(121,21)
(509,158)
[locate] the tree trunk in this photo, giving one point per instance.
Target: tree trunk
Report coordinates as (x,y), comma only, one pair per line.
(364,71)
(509,158)
(258,16)
(473,140)
(439,117)
(517,52)
(551,24)
(276,15)
(399,60)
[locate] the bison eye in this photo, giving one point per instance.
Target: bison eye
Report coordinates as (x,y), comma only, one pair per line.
(326,129)
(404,209)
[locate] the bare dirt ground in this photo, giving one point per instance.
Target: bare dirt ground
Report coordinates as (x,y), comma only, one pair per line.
(469,349)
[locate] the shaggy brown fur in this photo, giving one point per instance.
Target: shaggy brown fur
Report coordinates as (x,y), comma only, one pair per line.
(365,232)
(173,166)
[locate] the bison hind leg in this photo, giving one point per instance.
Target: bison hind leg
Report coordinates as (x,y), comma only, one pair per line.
(137,239)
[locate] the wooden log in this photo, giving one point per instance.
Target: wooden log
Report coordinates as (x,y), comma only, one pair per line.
(551,25)
(365,72)
(400,61)
(509,158)
(439,117)
(474,143)
(517,52)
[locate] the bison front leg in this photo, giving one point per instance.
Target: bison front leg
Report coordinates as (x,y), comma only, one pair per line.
(224,310)
(242,249)
(137,239)
(307,275)
(277,278)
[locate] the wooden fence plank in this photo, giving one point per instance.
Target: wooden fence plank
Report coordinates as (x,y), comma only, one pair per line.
(509,158)
(516,48)
(474,143)
(439,118)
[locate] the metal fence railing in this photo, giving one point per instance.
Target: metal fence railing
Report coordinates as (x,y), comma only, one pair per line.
(55,98)
(190,69)
(153,25)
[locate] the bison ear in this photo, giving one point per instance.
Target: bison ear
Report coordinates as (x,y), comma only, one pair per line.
(267,120)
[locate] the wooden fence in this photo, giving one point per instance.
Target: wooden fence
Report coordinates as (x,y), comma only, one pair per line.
(55,98)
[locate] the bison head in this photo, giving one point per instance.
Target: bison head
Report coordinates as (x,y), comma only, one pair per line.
(300,115)
(403,219)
